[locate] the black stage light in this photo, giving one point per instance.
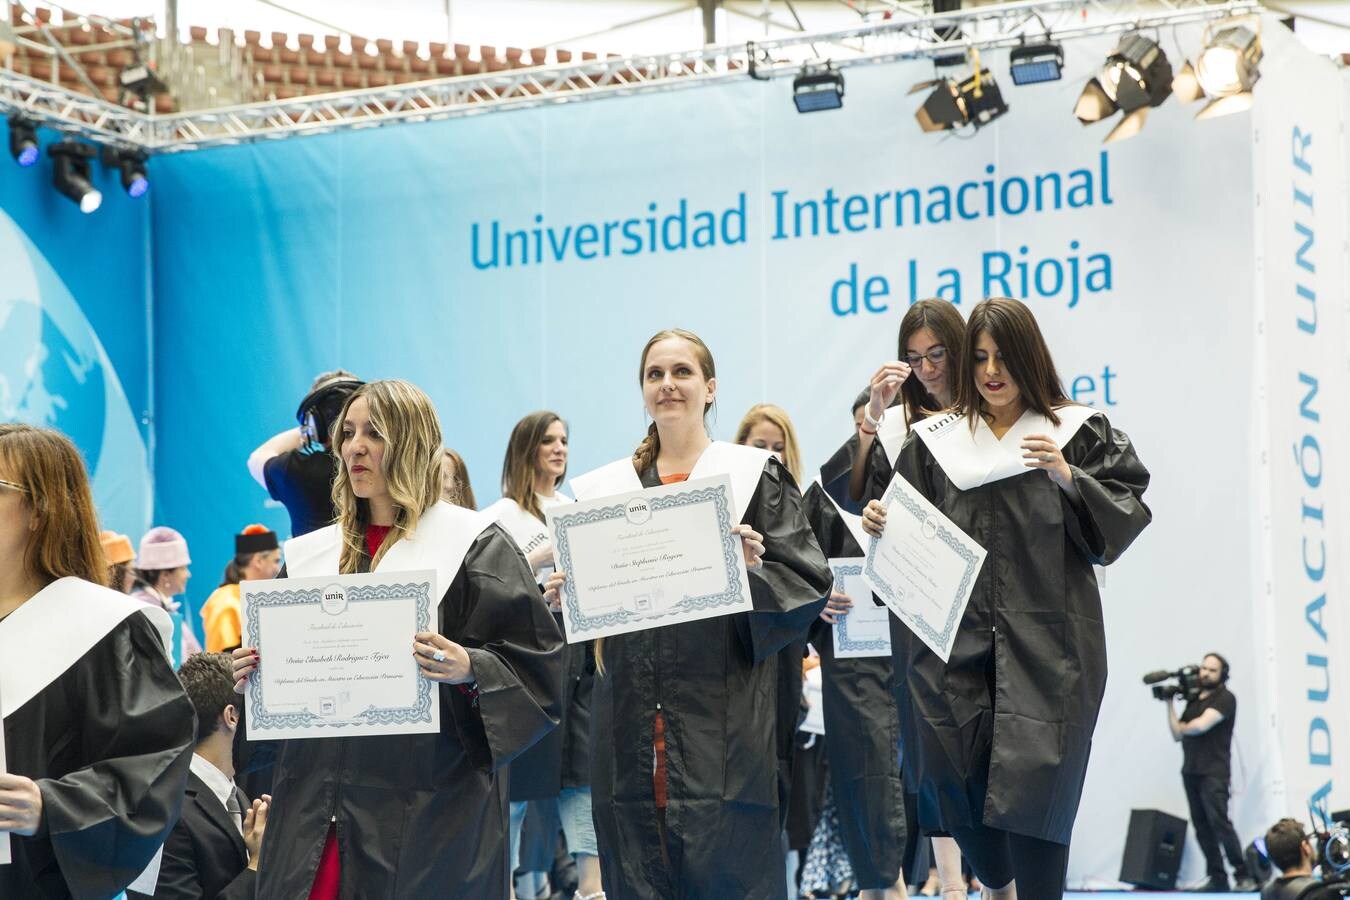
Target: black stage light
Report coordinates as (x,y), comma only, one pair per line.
(954,104)
(140,79)
(23,142)
(1036,63)
(1137,75)
(131,168)
(71,173)
(818,88)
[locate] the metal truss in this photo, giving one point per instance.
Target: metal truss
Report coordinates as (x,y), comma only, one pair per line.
(904,36)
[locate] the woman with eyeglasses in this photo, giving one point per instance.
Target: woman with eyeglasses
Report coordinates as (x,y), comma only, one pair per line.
(97,730)
(871,788)
(998,736)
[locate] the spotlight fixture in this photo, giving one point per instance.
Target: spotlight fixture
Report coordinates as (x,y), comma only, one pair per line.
(1225,71)
(140,79)
(23,142)
(818,88)
(71,173)
(131,168)
(1036,63)
(1136,76)
(976,101)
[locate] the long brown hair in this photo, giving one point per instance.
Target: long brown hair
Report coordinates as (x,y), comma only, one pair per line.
(647,451)
(941,318)
(777,417)
(1020,342)
(405,417)
(56,489)
(461,493)
(522,452)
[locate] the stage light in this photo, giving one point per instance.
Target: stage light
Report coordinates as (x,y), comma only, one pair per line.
(23,142)
(954,104)
(1225,71)
(1136,75)
(71,172)
(1036,63)
(818,88)
(130,166)
(140,79)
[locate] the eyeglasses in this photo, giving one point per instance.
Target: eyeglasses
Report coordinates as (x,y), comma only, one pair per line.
(13,486)
(934,356)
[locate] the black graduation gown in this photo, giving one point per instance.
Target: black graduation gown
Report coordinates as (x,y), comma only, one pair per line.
(1032,636)
(108,742)
(715,682)
(425,815)
(575,729)
(862,727)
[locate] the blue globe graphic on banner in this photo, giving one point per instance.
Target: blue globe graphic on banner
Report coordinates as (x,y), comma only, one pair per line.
(55,373)
(51,384)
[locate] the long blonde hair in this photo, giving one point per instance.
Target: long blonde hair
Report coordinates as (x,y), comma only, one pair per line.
(405,417)
(647,451)
(777,417)
(522,454)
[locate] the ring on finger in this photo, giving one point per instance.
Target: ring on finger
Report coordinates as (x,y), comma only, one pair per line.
(1046,457)
(439,656)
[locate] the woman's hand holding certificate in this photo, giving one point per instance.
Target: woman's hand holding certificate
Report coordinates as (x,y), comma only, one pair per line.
(345,655)
(652,557)
(920,564)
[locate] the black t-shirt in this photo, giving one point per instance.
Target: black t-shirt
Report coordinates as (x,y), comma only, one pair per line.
(303,482)
(1300,887)
(1209,753)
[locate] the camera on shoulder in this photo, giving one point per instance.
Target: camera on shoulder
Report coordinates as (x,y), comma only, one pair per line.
(1187,683)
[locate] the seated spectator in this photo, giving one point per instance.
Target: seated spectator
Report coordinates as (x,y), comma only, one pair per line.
(1288,849)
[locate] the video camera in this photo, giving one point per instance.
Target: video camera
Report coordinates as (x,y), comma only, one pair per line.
(1187,683)
(1331,843)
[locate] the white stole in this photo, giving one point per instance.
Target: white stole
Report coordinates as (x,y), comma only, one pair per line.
(444,534)
(892,432)
(970,460)
(527,531)
(61,623)
(743,465)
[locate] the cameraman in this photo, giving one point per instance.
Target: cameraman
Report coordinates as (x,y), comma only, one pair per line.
(297,466)
(1205,730)
(1288,849)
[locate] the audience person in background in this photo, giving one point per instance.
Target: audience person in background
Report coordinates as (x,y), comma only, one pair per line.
(117,550)
(257,557)
(97,732)
(297,466)
(455,486)
(1289,850)
(213,850)
(162,574)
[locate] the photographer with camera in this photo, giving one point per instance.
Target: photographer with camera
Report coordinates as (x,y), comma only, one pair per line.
(1289,849)
(1205,730)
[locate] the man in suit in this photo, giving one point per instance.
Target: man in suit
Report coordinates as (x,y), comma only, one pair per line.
(213,850)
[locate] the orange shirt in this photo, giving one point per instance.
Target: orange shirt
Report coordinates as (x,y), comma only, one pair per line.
(221,619)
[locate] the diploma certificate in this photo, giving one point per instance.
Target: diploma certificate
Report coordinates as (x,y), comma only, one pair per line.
(866,629)
(336,655)
(652,557)
(923,567)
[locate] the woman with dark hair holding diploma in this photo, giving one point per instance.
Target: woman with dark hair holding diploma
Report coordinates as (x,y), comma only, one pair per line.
(684,770)
(999,735)
(553,777)
(414,815)
(97,730)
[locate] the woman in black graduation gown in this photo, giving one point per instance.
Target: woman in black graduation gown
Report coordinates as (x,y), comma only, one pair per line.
(697,698)
(421,815)
(999,736)
(97,748)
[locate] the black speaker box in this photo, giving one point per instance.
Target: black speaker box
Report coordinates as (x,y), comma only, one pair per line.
(1153,849)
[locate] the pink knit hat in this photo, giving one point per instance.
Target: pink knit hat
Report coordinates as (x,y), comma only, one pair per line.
(162,548)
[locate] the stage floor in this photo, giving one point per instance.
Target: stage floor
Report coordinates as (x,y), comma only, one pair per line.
(1136,895)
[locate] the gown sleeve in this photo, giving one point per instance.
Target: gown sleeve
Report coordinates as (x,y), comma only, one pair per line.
(517,653)
(105,821)
(1109,512)
(790,589)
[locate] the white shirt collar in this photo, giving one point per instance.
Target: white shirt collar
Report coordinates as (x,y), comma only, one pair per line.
(216,780)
